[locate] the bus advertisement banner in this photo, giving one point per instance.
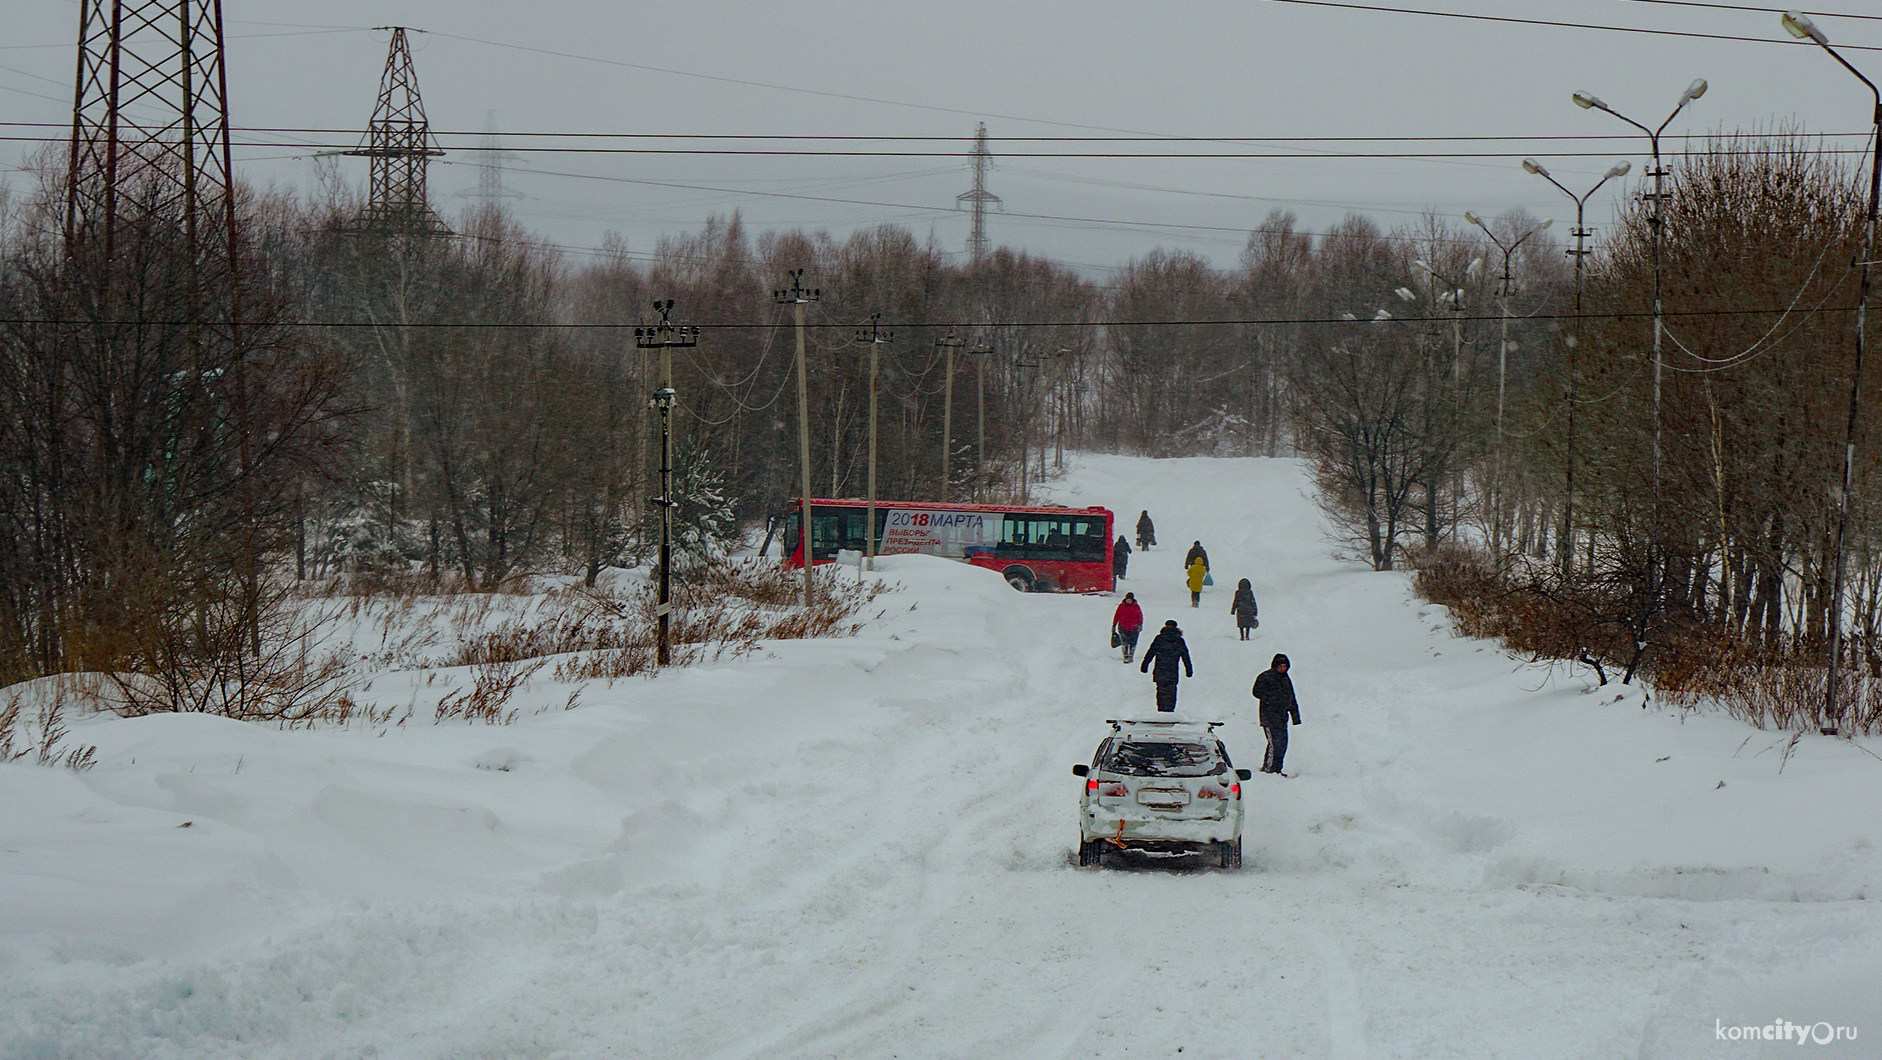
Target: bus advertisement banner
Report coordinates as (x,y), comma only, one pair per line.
(939,533)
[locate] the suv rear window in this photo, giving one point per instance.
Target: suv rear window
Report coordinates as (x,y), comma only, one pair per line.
(1164,758)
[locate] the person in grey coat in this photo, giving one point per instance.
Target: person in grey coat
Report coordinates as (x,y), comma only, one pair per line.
(1275,690)
(1244,608)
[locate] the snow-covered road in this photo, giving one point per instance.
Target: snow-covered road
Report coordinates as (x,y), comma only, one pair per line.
(860,848)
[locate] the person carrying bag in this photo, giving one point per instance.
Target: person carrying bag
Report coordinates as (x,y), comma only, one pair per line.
(1126,624)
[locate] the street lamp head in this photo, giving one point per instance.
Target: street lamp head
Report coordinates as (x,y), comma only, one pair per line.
(1693,91)
(1476,266)
(1472,218)
(1543,225)
(1799,25)
(1619,170)
(1584,100)
(1535,167)
(1405,294)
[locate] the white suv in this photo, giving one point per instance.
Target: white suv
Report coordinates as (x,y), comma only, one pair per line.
(1164,785)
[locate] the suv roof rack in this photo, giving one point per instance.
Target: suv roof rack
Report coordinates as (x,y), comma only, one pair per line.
(1117,724)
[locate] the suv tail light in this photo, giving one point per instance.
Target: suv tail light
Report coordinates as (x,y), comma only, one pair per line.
(1235,790)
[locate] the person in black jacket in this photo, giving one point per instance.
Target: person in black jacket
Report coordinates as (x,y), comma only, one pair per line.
(1166,648)
(1120,556)
(1275,690)
(1244,608)
(1196,552)
(1146,531)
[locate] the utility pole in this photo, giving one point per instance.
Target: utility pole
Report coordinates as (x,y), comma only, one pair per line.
(948,345)
(1062,396)
(1027,379)
(980,352)
(797,298)
(980,198)
(873,337)
(663,337)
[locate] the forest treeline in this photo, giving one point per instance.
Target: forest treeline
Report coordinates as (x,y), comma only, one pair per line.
(470,406)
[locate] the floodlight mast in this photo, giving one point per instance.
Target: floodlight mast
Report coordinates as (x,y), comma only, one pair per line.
(1799,25)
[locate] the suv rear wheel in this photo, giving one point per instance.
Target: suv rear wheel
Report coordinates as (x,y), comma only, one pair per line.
(1229,854)
(1090,854)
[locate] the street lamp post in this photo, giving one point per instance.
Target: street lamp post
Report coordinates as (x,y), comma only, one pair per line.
(1502,366)
(1579,253)
(1655,222)
(663,337)
(1452,296)
(872,336)
(1799,25)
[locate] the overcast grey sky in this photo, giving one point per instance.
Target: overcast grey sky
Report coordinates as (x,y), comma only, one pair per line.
(1246,76)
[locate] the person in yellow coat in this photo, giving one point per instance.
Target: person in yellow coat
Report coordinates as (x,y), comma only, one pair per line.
(1197,572)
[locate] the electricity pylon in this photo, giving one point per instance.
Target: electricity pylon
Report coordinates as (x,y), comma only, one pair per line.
(148,164)
(150,123)
(980,198)
(400,144)
(491,157)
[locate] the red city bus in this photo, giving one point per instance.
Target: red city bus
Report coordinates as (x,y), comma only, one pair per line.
(1047,549)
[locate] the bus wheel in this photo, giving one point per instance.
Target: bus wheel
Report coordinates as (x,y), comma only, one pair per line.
(1019,578)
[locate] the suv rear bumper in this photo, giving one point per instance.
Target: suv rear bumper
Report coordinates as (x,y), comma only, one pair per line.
(1149,833)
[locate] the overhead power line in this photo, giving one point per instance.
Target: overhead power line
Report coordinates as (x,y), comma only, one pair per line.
(964,143)
(727,152)
(1745,7)
(849,327)
(1553,24)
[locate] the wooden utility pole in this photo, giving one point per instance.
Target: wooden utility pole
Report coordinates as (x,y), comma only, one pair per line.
(797,298)
(948,346)
(873,337)
(980,353)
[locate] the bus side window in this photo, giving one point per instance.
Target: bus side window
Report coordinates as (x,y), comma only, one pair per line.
(1089,541)
(823,533)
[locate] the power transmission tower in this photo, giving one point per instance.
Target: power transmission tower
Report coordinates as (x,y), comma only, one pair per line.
(150,125)
(980,198)
(400,144)
(149,163)
(491,157)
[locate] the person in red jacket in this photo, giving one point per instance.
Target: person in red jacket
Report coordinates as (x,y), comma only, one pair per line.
(1128,623)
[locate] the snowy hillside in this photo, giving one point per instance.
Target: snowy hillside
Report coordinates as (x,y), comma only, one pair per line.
(861,848)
